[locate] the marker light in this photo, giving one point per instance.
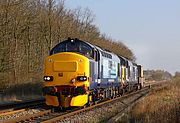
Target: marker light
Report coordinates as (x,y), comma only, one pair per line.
(82,78)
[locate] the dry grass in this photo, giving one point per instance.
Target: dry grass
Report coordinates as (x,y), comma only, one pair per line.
(161,106)
(21,92)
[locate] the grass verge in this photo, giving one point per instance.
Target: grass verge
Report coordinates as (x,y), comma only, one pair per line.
(21,92)
(161,106)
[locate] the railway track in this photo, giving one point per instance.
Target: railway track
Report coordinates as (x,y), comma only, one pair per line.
(13,110)
(19,105)
(100,108)
(47,116)
(118,104)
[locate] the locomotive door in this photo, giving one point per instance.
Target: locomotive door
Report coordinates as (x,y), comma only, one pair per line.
(92,72)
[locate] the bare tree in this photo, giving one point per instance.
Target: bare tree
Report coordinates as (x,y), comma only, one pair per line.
(30,28)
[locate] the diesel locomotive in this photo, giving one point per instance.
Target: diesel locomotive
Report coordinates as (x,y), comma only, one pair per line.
(78,73)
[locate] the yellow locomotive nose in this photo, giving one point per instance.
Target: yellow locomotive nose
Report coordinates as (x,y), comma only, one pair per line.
(66,71)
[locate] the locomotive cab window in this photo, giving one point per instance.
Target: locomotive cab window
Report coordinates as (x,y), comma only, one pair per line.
(86,50)
(74,46)
(58,48)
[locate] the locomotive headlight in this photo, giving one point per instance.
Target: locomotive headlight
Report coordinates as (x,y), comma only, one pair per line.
(48,78)
(82,78)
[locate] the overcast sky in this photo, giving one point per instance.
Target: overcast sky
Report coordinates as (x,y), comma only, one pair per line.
(150,28)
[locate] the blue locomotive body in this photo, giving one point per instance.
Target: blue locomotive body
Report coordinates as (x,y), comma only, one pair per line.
(106,74)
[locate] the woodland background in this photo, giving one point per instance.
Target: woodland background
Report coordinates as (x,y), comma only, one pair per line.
(30,28)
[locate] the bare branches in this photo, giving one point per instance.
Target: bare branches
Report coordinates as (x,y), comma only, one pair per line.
(30,28)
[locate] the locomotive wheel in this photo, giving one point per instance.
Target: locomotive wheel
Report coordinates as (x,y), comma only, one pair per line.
(122,91)
(52,110)
(137,87)
(140,85)
(60,109)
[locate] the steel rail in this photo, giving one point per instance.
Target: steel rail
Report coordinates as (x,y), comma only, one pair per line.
(12,112)
(144,91)
(15,108)
(10,107)
(61,117)
(29,117)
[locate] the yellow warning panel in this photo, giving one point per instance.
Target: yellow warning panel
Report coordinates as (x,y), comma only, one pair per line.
(65,66)
(80,100)
(52,100)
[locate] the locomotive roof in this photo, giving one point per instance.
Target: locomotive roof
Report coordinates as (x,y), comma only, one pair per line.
(98,48)
(69,39)
(91,45)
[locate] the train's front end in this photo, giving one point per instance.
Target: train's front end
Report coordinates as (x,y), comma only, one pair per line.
(66,75)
